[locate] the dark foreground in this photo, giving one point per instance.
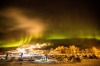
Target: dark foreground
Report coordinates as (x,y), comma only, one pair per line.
(85,62)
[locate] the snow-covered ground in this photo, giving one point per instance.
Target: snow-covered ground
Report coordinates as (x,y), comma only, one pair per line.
(85,62)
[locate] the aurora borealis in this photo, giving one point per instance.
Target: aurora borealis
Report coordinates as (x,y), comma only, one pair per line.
(24,20)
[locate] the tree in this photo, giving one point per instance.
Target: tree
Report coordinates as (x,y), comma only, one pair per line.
(73,49)
(95,50)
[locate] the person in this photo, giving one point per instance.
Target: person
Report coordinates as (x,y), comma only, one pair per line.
(21,55)
(6,55)
(46,56)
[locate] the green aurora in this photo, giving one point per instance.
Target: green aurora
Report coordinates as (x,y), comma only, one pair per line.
(24,22)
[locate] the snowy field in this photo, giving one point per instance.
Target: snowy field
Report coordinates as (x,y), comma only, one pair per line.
(85,62)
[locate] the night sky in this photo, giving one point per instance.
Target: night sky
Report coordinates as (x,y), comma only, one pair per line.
(22,21)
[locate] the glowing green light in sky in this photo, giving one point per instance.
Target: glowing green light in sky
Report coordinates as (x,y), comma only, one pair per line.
(79,36)
(16,43)
(57,36)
